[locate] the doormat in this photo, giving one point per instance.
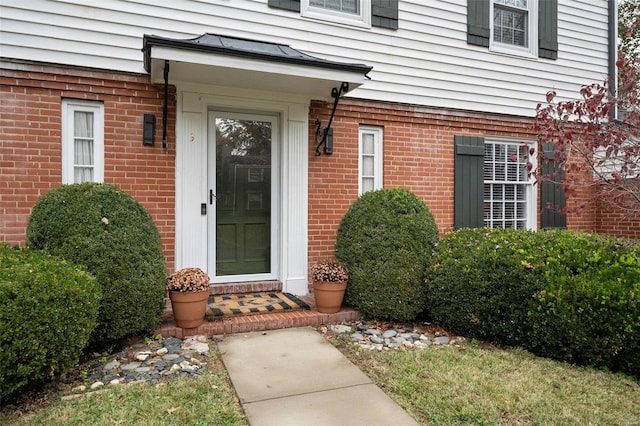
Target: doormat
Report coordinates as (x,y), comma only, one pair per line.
(228,305)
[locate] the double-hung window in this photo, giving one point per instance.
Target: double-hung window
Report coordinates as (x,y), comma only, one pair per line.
(526,28)
(514,26)
(351,12)
(509,190)
(82,141)
(369,159)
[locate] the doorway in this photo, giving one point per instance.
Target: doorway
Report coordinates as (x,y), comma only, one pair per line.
(242,216)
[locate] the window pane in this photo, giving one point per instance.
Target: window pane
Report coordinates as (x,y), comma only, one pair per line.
(83,152)
(510,26)
(83,124)
(347,6)
(368,144)
(368,166)
(83,174)
(367,184)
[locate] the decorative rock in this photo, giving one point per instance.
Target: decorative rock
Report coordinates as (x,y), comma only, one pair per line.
(389,333)
(407,344)
(201,348)
(143,356)
(377,340)
(143,369)
(174,368)
(79,389)
(441,340)
(111,365)
(131,366)
(96,385)
(372,331)
(357,337)
(170,357)
(161,351)
(116,381)
(340,328)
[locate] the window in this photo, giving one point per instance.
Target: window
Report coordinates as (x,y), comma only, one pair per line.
(351,12)
(514,26)
(509,191)
(369,159)
(491,184)
(520,27)
(365,13)
(82,141)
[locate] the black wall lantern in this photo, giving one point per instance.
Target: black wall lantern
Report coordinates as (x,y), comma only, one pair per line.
(325,137)
(149,130)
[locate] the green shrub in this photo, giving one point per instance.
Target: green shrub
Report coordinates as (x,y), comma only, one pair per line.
(48,309)
(480,282)
(383,239)
(565,295)
(114,237)
(589,309)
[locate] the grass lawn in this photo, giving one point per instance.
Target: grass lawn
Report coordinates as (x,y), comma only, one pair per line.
(206,400)
(478,384)
(466,383)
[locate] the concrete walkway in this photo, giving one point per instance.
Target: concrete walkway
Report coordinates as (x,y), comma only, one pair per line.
(295,377)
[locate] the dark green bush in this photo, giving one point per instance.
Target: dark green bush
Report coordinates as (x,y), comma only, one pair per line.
(480,282)
(48,309)
(589,309)
(565,295)
(383,239)
(114,237)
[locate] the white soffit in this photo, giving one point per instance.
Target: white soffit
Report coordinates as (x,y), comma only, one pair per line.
(232,62)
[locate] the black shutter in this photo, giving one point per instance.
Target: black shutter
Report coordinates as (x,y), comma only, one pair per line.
(552,198)
(384,13)
(478,31)
(548,29)
(468,182)
(285,4)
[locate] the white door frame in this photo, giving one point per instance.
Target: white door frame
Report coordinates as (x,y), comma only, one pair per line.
(194,103)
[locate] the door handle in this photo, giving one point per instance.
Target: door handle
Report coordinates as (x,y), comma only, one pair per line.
(211,196)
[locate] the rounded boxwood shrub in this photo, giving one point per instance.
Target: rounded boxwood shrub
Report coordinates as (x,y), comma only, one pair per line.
(48,309)
(480,282)
(114,237)
(384,239)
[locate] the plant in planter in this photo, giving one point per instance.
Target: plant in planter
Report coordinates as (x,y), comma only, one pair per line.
(329,284)
(189,291)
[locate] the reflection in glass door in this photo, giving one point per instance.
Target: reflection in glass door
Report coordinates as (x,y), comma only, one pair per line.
(240,182)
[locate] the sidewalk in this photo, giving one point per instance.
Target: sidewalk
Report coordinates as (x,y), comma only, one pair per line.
(295,377)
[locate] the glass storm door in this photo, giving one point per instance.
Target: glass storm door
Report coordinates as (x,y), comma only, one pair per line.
(241,202)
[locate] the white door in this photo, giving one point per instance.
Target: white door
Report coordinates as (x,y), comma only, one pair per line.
(242,210)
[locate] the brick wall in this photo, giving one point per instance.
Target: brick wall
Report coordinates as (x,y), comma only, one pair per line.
(418,155)
(30,141)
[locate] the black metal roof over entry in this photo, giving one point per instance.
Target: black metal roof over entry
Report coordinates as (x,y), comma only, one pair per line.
(237,62)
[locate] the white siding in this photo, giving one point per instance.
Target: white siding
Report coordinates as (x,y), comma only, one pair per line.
(425,62)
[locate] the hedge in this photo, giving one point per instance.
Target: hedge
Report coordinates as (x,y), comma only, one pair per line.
(48,309)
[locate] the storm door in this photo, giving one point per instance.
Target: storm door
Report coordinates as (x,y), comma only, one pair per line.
(242,202)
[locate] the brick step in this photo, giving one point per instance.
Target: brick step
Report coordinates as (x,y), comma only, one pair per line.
(260,322)
(250,287)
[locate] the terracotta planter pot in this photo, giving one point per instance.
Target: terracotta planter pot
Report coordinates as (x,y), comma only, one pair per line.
(189,308)
(329,296)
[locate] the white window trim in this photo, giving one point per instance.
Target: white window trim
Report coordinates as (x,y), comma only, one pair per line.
(532,188)
(530,51)
(378,160)
(361,20)
(69,106)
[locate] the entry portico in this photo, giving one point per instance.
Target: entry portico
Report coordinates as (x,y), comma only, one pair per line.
(242,138)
